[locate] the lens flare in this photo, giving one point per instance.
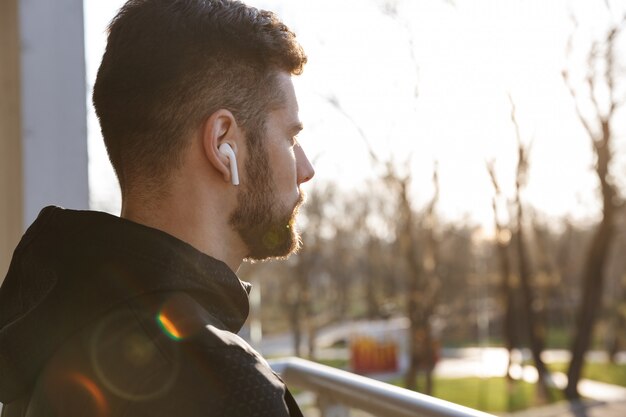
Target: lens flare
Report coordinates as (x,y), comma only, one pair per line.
(168,327)
(128,362)
(93,390)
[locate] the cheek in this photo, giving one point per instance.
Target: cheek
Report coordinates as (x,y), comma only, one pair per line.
(284,167)
(287,185)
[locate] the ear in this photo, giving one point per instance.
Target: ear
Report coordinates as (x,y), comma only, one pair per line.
(220,127)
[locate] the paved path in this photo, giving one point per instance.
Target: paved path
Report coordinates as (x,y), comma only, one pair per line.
(581,409)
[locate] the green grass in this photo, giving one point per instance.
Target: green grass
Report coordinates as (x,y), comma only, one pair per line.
(557,338)
(493,394)
(602,372)
(335,363)
(487,394)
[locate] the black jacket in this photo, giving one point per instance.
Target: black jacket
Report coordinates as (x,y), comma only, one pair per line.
(100,316)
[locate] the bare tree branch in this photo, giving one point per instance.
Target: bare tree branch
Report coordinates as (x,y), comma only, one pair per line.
(522,149)
(581,117)
(491,169)
(610,72)
(591,82)
(334,101)
(390,8)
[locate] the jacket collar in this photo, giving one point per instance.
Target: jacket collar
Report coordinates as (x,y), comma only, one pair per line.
(73,266)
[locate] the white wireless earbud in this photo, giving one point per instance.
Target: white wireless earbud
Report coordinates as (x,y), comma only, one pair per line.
(228,152)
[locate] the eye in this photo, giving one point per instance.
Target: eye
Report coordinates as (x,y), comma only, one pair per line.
(294,140)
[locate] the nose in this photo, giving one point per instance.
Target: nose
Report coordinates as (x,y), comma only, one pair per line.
(304,169)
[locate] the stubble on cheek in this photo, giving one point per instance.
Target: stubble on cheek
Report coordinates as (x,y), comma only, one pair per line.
(283,236)
(267,227)
(275,235)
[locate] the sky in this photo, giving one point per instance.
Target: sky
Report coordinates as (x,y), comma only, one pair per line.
(428,83)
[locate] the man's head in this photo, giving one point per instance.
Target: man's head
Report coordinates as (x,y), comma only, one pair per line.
(169,64)
(173,68)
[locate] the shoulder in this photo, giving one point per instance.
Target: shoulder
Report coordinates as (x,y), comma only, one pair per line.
(214,371)
(138,360)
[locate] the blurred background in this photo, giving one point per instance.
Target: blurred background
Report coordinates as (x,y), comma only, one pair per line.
(465,232)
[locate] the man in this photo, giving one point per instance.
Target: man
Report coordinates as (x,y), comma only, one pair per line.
(138,315)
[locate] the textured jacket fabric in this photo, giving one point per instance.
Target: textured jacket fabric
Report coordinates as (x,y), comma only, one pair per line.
(100,316)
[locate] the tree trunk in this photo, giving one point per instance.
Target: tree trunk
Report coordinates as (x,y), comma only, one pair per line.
(508,304)
(421,291)
(373,310)
(593,282)
(619,330)
(415,320)
(294,320)
(408,247)
(508,301)
(593,272)
(535,338)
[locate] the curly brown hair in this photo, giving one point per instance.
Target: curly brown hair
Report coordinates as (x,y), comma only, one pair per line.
(169,64)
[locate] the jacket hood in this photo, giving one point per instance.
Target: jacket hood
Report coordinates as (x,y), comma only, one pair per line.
(73,266)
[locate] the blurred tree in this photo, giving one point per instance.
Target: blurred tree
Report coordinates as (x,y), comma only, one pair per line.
(535,329)
(615,335)
(420,263)
(548,280)
(456,265)
(603,85)
(507,291)
(422,283)
(300,297)
(430,286)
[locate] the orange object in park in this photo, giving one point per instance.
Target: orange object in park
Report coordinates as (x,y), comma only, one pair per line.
(369,355)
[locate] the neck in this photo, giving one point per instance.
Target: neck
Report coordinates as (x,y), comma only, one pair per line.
(203,226)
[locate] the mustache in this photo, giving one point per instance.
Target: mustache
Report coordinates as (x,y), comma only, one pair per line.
(302,197)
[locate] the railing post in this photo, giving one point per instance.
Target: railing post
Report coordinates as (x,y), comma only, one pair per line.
(330,407)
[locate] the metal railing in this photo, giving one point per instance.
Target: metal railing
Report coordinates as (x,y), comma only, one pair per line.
(338,391)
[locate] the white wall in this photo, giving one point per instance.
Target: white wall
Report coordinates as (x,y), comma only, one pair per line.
(43,127)
(54,126)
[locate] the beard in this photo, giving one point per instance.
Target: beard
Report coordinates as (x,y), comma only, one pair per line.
(266,226)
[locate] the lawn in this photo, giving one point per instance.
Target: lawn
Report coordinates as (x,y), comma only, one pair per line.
(492,394)
(602,372)
(487,394)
